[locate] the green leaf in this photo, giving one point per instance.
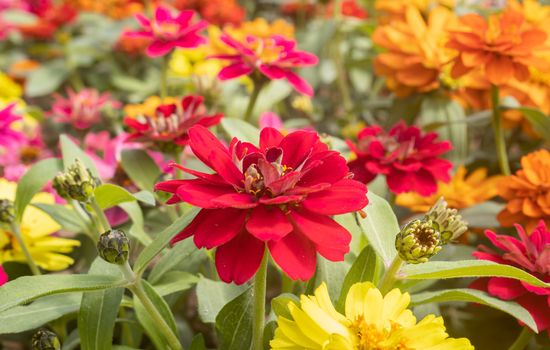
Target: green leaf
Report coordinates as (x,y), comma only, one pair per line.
(71,152)
(198,342)
(18,17)
(98,311)
(175,281)
(24,318)
(367,267)
(240,129)
(234,322)
(46,79)
(109,195)
(475,296)
(145,197)
(332,273)
(540,121)
(64,216)
(23,290)
(279,304)
(150,326)
(140,168)
(174,257)
(33,181)
(162,240)
(380,227)
(468,268)
(213,295)
(136,229)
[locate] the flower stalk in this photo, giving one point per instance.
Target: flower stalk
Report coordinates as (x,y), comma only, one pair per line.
(522,340)
(259,305)
(30,261)
(163,77)
(500,143)
(258,85)
(390,276)
(103,222)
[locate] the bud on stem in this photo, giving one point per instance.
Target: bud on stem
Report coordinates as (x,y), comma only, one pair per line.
(77,183)
(114,247)
(7,211)
(45,340)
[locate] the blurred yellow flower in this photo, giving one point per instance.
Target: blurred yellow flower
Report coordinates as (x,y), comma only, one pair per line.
(395,9)
(9,89)
(37,229)
(371,321)
(148,107)
(116,9)
(261,28)
(461,192)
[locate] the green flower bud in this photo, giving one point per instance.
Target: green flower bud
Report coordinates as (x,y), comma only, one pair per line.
(418,241)
(7,212)
(114,247)
(446,221)
(76,183)
(45,340)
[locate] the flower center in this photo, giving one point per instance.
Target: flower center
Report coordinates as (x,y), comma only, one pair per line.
(165,30)
(266,49)
(254,181)
(370,337)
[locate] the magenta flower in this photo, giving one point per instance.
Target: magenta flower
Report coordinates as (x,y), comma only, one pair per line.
(9,138)
(3,276)
(274,57)
(530,253)
(167,32)
(81,109)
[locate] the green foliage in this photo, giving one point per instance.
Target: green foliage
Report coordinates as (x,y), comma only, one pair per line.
(234,322)
(140,167)
(240,129)
(212,296)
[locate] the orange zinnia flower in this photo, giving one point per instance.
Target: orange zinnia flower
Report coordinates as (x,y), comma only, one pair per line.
(415,53)
(461,192)
(504,46)
(395,9)
(527,192)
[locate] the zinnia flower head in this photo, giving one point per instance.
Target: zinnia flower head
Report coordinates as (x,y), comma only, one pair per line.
(9,138)
(463,191)
(218,12)
(50,16)
(116,9)
(171,122)
(38,231)
(3,276)
(81,109)
(530,253)
(371,321)
(168,32)
(274,57)
(408,158)
(527,192)
(415,53)
(280,194)
(504,46)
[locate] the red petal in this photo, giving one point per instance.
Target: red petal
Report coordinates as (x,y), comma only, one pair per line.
(268,223)
(236,200)
(295,255)
(343,197)
(201,193)
(297,146)
(332,169)
(238,260)
(270,137)
(321,230)
(215,227)
(505,288)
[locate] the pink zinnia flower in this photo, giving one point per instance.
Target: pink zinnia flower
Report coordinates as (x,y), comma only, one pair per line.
(530,253)
(275,57)
(279,195)
(81,109)
(167,32)
(3,276)
(409,159)
(9,138)
(171,122)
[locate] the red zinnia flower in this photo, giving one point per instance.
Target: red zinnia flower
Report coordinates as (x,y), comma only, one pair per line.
(407,158)
(167,32)
(171,122)
(280,194)
(529,253)
(275,57)
(3,276)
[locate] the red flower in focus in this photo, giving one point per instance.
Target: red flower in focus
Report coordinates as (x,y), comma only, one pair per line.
(171,122)
(50,17)
(275,57)
(217,12)
(167,32)
(281,193)
(81,109)
(530,253)
(3,276)
(409,160)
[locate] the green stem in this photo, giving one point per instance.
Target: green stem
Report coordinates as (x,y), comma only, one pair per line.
(30,261)
(522,340)
(259,305)
(287,284)
(161,324)
(499,132)
(163,77)
(104,223)
(86,219)
(252,102)
(390,276)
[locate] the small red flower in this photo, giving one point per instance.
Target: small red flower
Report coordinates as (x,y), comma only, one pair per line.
(530,253)
(275,57)
(168,32)
(3,276)
(280,194)
(409,160)
(171,122)
(217,12)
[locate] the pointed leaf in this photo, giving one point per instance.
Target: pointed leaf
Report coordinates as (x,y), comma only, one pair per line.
(234,322)
(141,168)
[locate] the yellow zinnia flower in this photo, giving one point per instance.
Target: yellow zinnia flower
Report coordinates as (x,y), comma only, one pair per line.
(371,321)
(461,192)
(9,89)
(37,229)
(148,107)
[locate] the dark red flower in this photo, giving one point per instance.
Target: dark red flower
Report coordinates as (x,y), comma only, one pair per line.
(409,159)
(530,253)
(280,195)
(50,16)
(171,122)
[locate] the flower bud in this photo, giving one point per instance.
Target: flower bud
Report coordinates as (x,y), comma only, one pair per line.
(114,247)
(446,221)
(418,241)
(45,340)
(76,183)
(7,212)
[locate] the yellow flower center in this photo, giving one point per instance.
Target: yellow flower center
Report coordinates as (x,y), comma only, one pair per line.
(371,337)
(266,49)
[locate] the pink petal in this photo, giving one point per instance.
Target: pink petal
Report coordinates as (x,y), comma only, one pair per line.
(162,14)
(272,72)
(234,71)
(238,260)
(159,48)
(268,223)
(299,83)
(295,255)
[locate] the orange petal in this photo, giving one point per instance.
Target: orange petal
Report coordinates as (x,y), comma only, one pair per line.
(499,70)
